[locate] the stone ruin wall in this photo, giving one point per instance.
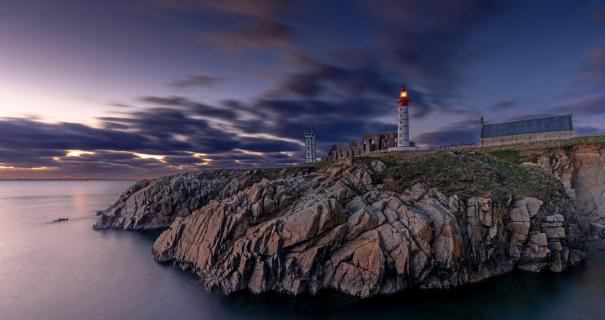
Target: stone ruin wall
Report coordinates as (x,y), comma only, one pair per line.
(370,142)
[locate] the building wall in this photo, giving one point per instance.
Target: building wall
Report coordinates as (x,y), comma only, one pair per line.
(526,138)
(378,141)
(370,142)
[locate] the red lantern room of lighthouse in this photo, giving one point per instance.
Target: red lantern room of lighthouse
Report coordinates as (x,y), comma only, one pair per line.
(403,97)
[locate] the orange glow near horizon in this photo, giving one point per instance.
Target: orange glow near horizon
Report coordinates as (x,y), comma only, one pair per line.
(159,158)
(75,153)
(203,157)
(3,167)
(253,153)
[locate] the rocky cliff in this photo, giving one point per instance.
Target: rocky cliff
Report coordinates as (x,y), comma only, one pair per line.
(581,169)
(372,226)
(154,204)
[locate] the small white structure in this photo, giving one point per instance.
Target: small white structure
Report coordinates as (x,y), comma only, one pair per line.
(310,149)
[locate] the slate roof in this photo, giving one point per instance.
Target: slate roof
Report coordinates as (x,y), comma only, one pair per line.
(558,123)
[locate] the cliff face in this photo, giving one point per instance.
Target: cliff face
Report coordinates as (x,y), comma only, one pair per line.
(582,171)
(154,204)
(357,228)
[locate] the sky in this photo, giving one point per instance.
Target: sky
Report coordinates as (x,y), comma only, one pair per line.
(144,88)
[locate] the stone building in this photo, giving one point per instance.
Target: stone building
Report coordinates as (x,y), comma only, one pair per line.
(370,142)
(526,131)
(378,141)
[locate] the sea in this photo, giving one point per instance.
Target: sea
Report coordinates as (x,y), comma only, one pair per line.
(66,270)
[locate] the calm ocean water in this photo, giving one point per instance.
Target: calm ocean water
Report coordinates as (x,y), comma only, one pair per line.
(68,271)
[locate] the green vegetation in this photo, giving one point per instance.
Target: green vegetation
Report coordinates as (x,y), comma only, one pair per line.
(316,165)
(531,152)
(466,174)
(511,156)
(552,144)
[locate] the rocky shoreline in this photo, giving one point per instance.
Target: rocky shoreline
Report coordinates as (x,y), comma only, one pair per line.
(360,227)
(337,230)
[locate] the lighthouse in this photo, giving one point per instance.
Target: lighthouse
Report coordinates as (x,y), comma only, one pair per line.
(403,125)
(310,149)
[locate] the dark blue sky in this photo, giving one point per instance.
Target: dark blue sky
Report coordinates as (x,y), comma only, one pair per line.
(149,87)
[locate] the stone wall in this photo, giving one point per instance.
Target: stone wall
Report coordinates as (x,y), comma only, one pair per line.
(370,142)
(526,138)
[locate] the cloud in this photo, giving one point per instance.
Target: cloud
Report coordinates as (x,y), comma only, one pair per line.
(263,33)
(317,77)
(503,105)
(463,132)
(425,39)
(592,71)
(194,107)
(150,142)
(589,106)
(196,81)
(120,105)
(241,7)
(252,24)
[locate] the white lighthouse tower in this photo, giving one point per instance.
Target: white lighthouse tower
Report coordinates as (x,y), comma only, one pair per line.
(403,126)
(310,149)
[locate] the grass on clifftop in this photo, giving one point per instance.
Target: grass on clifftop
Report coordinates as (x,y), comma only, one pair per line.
(466,174)
(598,140)
(531,152)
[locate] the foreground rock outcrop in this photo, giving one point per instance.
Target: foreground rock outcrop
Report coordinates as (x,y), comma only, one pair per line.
(156,203)
(369,227)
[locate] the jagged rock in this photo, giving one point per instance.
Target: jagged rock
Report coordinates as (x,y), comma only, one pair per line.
(155,204)
(581,169)
(378,165)
(336,229)
(348,227)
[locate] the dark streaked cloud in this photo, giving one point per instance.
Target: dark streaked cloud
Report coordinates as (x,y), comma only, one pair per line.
(196,81)
(254,24)
(425,39)
(589,106)
(504,104)
(463,132)
(262,33)
(243,7)
(198,108)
